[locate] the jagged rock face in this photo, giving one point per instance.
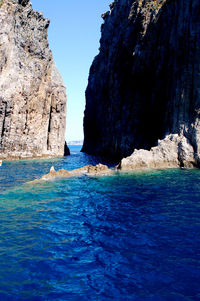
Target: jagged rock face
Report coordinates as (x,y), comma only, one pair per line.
(172,152)
(32,93)
(145,82)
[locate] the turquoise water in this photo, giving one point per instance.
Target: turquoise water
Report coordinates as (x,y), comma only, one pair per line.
(124,237)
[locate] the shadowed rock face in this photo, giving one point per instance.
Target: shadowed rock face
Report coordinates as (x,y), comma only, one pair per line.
(145,82)
(32,93)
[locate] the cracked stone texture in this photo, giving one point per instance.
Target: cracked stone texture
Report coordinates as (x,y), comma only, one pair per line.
(145,82)
(32,93)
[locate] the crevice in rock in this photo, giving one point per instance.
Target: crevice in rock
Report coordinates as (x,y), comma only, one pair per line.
(3,119)
(49,127)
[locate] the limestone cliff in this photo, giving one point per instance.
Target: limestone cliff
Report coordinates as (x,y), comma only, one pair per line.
(144,84)
(32,93)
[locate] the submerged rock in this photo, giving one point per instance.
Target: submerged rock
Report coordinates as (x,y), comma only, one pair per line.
(32,92)
(144,84)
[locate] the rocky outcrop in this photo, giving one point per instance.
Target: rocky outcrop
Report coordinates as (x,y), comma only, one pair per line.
(88,170)
(32,93)
(172,152)
(144,85)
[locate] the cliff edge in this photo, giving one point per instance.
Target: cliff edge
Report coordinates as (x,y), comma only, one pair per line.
(32,93)
(143,90)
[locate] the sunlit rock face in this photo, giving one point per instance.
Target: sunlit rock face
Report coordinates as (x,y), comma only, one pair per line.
(145,82)
(32,93)
(171,152)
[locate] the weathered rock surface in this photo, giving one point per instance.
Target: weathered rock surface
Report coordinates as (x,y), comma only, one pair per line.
(32,93)
(89,170)
(172,152)
(145,83)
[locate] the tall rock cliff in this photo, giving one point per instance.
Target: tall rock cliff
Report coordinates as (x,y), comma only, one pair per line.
(144,84)
(32,93)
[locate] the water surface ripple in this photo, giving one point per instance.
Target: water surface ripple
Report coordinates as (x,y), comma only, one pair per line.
(124,237)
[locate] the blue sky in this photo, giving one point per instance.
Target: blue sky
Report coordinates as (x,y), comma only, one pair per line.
(74,35)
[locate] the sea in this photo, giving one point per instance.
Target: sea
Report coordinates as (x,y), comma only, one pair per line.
(130,236)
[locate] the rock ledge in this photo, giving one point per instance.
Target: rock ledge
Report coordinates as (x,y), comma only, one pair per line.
(88,170)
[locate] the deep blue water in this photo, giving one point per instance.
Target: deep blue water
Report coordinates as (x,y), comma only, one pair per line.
(131,236)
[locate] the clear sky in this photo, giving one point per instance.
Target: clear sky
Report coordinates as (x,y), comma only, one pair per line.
(74,35)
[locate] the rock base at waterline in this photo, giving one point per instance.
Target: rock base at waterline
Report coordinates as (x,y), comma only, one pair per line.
(172,152)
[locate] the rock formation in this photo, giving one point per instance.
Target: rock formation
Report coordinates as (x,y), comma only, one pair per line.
(172,152)
(88,170)
(32,93)
(144,85)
